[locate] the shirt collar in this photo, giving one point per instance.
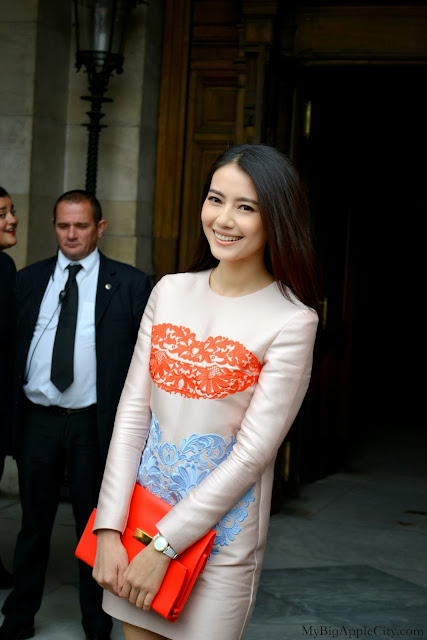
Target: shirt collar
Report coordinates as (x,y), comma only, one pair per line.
(87,263)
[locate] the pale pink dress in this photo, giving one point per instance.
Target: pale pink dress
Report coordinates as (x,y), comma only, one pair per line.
(213,388)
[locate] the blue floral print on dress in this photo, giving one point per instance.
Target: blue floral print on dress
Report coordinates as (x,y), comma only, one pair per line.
(170,472)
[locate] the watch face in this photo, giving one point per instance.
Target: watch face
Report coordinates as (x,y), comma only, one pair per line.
(160,543)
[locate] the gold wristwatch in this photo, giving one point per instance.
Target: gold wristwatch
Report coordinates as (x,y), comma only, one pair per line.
(160,543)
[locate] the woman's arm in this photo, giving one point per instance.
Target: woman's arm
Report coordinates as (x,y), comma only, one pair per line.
(130,432)
(111,560)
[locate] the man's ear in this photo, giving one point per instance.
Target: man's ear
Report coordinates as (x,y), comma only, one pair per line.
(102,225)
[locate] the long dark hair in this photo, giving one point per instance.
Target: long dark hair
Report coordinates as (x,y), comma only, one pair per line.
(289,254)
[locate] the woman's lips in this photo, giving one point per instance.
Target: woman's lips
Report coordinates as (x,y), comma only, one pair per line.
(225,238)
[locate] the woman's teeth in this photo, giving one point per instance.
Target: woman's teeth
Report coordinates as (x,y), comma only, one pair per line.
(227,238)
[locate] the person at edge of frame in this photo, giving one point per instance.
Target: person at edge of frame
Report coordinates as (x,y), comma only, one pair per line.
(8,239)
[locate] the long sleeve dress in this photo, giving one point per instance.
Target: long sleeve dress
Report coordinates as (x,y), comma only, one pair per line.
(213,387)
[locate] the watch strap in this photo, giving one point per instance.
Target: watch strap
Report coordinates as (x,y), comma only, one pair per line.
(171,553)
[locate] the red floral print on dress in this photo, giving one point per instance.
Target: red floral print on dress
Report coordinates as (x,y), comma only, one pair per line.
(213,368)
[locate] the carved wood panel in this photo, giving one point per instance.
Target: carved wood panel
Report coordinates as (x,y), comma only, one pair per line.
(211,117)
(356,34)
(170,146)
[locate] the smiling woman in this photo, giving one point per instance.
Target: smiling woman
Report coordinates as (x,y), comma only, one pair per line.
(219,372)
(235,231)
(8,221)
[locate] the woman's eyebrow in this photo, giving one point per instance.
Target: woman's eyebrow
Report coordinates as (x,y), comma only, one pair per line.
(242,199)
(217,192)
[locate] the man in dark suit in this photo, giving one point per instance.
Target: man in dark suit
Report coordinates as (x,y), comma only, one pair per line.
(65,426)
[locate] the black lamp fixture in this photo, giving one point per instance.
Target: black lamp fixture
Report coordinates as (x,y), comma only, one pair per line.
(100,27)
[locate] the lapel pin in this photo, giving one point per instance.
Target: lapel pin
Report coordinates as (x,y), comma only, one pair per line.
(108,286)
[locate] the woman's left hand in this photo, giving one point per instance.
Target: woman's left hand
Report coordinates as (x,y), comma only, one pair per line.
(143,577)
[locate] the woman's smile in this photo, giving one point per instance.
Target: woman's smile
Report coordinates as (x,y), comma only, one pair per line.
(226,238)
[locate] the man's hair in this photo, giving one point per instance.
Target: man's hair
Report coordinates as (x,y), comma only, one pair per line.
(79,195)
(4,193)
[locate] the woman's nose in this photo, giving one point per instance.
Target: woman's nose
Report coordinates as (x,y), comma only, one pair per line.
(11,217)
(226,218)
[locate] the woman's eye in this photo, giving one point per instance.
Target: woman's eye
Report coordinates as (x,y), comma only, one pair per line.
(214,199)
(246,207)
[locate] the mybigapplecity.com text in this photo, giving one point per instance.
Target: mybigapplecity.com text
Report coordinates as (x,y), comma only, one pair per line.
(377,631)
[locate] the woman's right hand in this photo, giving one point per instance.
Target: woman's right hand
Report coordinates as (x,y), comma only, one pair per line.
(111,560)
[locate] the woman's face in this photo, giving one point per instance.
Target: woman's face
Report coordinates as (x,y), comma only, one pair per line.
(8,223)
(231,217)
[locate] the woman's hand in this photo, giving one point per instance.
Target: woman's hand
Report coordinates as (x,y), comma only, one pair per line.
(111,560)
(143,577)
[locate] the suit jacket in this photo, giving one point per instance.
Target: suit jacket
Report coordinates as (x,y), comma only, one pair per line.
(118,312)
(7,344)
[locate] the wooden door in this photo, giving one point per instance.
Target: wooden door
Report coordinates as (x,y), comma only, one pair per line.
(198,107)
(364,163)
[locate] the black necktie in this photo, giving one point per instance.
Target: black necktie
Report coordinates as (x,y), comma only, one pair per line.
(62,372)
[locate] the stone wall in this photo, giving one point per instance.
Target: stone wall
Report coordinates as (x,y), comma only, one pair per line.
(43,143)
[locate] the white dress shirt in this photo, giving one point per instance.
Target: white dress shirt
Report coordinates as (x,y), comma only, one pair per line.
(38,387)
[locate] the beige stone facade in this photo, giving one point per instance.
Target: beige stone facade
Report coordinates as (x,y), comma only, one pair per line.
(43,143)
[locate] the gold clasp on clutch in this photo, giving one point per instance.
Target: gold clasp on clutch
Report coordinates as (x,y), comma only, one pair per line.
(142,537)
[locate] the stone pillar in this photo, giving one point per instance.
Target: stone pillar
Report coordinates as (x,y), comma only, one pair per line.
(18,30)
(50,104)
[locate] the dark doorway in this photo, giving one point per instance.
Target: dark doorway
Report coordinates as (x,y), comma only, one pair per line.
(365,162)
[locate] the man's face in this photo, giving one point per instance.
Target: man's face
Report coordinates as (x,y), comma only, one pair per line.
(76,231)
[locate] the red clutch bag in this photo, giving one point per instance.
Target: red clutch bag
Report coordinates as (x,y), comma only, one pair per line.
(145,511)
